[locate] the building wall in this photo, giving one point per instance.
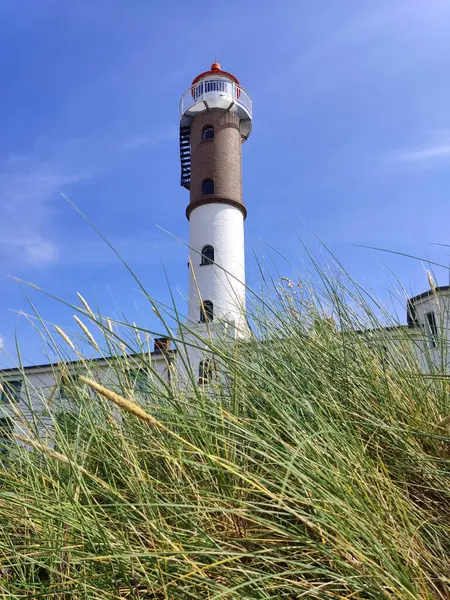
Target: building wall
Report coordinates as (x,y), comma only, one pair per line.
(433,348)
(40,392)
(432,351)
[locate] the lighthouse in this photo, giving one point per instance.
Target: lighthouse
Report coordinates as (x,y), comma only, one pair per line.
(216,118)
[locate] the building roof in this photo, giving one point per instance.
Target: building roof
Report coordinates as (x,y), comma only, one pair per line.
(442,288)
(215,70)
(99,359)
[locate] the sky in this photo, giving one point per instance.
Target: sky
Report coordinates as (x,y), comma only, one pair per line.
(350,144)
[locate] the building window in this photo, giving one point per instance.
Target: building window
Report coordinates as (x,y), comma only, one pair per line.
(138,380)
(206,312)
(208,133)
(6,430)
(68,385)
(432,328)
(411,315)
(67,422)
(207,187)
(205,371)
(207,255)
(65,389)
(11,391)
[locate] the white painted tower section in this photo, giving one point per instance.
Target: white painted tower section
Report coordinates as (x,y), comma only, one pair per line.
(223,282)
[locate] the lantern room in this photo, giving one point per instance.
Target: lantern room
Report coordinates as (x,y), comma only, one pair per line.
(217,89)
(213,89)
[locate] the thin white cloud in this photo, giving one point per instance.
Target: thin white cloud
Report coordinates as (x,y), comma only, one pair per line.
(426,154)
(436,150)
(26,194)
(30,186)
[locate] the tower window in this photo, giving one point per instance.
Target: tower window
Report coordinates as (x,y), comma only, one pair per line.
(208,133)
(207,187)
(432,328)
(205,371)
(206,311)
(207,255)
(11,391)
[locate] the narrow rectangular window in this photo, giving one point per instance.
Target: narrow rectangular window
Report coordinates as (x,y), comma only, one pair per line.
(11,391)
(64,389)
(67,386)
(138,380)
(206,311)
(6,430)
(432,328)
(411,315)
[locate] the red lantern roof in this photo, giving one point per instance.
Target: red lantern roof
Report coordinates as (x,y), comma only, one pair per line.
(215,70)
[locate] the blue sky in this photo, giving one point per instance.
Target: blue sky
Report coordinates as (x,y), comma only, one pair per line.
(351,141)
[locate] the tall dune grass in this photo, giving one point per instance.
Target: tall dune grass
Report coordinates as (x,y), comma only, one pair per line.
(311,467)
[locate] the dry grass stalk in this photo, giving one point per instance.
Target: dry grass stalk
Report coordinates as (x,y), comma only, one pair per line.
(85,304)
(43,448)
(61,458)
(64,336)
(445,423)
(122,402)
(431,282)
(86,332)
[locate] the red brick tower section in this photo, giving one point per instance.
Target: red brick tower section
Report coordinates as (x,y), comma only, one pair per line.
(218,159)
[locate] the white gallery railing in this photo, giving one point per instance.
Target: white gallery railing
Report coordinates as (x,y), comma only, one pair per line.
(210,88)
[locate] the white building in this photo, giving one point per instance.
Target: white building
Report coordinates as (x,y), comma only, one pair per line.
(429,315)
(35,391)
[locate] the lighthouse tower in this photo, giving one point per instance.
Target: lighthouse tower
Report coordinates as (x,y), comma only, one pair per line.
(216,118)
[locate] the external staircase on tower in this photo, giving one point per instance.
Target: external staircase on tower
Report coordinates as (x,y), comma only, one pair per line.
(185,156)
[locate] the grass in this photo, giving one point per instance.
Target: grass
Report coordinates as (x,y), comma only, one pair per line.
(312,467)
